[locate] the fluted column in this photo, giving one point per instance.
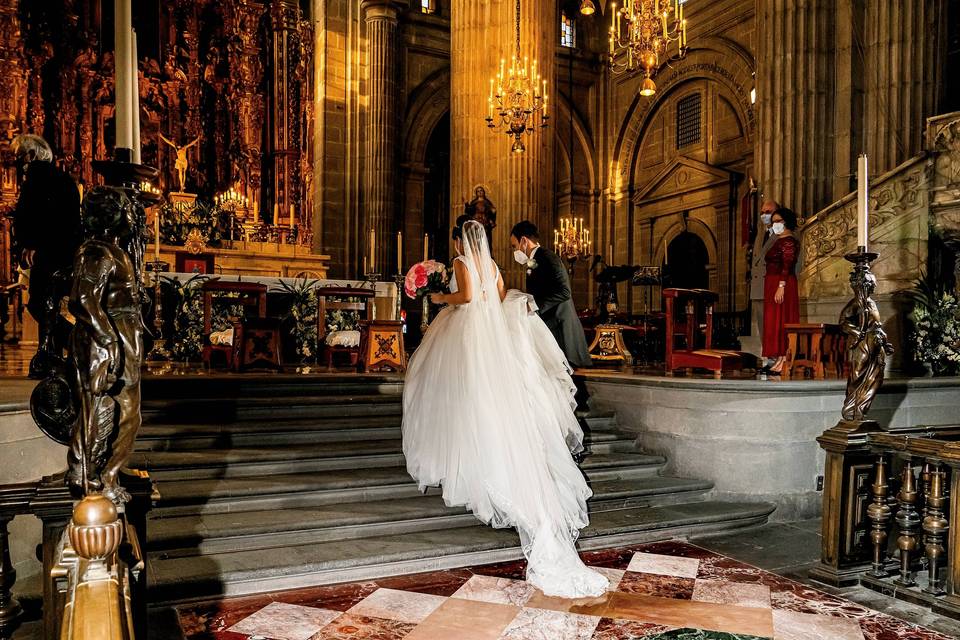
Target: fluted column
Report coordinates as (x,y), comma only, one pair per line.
(795,81)
(380,164)
(902,76)
(285,107)
(520,185)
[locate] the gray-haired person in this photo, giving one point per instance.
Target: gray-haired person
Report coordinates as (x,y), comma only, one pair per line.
(46,234)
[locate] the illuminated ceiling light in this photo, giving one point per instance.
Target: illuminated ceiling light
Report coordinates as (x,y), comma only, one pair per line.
(587,8)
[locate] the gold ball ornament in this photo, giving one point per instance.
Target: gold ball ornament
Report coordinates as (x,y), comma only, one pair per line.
(96,530)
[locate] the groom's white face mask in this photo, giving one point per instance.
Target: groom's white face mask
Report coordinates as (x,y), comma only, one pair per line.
(519,254)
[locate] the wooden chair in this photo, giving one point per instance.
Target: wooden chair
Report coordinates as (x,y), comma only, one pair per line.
(696,303)
(332,299)
(816,347)
(251,295)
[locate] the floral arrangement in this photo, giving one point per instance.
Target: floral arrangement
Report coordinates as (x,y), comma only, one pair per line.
(187,343)
(303,315)
(425,278)
(936,335)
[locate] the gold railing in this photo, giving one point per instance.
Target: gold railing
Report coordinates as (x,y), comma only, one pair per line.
(892,519)
(98,594)
(94,576)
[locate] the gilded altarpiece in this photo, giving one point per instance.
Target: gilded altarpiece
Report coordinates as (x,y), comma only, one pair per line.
(233,73)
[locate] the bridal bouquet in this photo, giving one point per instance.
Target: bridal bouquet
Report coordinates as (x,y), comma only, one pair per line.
(425,278)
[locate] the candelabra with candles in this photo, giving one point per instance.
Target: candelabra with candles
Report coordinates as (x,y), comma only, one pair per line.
(518,97)
(571,241)
(231,200)
(640,35)
(159,351)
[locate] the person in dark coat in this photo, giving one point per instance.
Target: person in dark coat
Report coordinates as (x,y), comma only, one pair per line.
(46,234)
(549,284)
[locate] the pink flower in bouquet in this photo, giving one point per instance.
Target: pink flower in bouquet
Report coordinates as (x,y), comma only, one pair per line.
(425,277)
(420,276)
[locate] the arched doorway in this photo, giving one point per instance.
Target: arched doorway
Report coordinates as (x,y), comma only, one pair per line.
(436,190)
(687,260)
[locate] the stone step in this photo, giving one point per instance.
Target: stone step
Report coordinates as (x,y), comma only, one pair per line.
(220,385)
(261,461)
(229,409)
(183,577)
(171,437)
(280,527)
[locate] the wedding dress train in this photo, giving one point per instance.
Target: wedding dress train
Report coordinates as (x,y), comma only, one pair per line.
(488,414)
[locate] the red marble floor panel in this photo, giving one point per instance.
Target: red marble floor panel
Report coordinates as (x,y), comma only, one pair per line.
(639,606)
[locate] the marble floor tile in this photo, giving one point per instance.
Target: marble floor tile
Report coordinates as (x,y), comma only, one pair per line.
(658,564)
(701,634)
(610,629)
(740,595)
(404,606)
(790,625)
(583,606)
(689,613)
(351,627)
(540,624)
(650,584)
(458,619)
(496,590)
(613,575)
(280,621)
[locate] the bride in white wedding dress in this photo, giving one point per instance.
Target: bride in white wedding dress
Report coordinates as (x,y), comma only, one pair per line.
(488,413)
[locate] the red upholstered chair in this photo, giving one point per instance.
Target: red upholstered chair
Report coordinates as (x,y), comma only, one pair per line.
(683,334)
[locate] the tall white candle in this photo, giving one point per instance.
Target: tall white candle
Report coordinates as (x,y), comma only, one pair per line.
(373,250)
(122,65)
(863,202)
(426,245)
(156,235)
(135,97)
(399,251)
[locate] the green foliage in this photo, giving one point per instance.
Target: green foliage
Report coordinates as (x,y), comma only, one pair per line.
(187,339)
(936,321)
(303,314)
(937,335)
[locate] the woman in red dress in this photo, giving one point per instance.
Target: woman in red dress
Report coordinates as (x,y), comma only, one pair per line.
(781,297)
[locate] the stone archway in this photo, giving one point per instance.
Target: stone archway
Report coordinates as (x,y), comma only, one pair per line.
(429,108)
(706,237)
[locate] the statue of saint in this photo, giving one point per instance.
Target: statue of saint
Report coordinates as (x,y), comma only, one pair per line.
(867,346)
(181,163)
(107,343)
(483,211)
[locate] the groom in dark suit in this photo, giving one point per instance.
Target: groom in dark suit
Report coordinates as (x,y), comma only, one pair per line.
(548,283)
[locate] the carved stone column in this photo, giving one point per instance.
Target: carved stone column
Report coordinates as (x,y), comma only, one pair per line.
(520,185)
(902,78)
(795,160)
(380,163)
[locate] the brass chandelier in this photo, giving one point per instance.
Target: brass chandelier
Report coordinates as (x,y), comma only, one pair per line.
(518,97)
(640,35)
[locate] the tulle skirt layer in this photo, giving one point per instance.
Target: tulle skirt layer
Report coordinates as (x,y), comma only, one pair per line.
(491,420)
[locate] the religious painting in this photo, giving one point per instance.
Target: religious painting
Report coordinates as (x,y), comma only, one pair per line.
(199,263)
